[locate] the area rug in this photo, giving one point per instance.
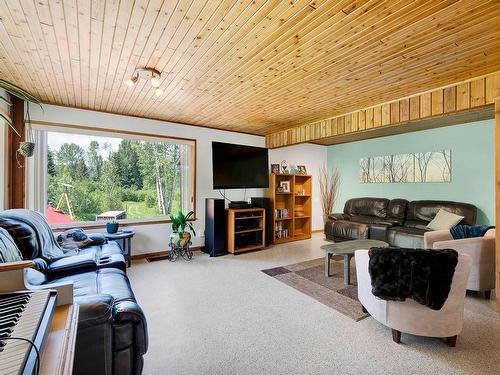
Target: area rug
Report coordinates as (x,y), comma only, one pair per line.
(309,278)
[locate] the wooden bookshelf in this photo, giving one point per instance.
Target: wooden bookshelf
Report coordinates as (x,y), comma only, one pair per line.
(292,209)
(245,229)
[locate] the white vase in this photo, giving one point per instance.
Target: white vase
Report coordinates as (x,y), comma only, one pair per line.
(178,241)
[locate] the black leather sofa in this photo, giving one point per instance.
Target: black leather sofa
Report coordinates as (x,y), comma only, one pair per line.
(397,221)
(112,332)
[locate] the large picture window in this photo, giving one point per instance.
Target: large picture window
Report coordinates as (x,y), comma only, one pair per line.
(91,176)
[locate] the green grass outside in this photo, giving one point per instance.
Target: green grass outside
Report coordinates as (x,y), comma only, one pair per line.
(139,210)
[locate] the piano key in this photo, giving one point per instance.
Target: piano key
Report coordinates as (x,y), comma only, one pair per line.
(13,303)
(13,353)
(7,308)
(15,297)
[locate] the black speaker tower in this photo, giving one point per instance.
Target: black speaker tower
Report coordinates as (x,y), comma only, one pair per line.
(215,227)
(261,202)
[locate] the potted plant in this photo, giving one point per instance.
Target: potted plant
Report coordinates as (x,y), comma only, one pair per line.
(19,92)
(112,227)
(27,147)
(180,222)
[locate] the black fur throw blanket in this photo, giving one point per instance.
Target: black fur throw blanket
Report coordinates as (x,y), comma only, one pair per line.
(424,275)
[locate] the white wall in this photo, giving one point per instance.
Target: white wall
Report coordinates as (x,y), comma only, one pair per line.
(3,153)
(313,157)
(152,238)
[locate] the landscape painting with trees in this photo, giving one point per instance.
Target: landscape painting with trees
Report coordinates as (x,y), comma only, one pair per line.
(432,166)
(99,174)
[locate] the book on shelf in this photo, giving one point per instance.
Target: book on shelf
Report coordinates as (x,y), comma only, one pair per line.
(281,213)
(281,230)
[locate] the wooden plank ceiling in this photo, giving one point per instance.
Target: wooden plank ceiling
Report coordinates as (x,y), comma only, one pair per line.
(256,66)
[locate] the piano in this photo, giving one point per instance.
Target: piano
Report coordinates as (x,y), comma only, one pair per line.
(24,315)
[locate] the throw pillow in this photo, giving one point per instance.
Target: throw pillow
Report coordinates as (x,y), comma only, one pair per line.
(444,220)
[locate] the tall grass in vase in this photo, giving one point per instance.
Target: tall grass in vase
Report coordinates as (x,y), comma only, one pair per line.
(329,183)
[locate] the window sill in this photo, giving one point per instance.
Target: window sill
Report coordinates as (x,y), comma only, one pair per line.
(102,224)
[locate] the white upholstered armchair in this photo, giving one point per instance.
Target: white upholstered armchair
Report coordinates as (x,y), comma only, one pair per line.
(410,316)
(480,249)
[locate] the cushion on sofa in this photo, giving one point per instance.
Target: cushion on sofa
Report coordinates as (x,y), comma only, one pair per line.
(343,230)
(104,281)
(406,237)
(410,231)
(396,210)
(426,210)
(367,206)
(69,265)
(109,248)
(419,224)
(338,216)
(444,220)
(364,219)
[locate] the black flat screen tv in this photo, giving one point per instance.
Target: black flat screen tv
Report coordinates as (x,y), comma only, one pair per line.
(239,167)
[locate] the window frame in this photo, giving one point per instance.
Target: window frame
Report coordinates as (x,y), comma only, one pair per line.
(128,134)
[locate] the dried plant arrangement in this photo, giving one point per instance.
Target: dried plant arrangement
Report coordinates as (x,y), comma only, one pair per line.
(329,182)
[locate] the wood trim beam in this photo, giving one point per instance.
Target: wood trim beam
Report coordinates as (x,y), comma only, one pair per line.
(16,176)
(471,96)
(482,113)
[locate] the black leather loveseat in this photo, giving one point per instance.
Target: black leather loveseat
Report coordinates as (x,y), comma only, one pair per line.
(112,332)
(397,221)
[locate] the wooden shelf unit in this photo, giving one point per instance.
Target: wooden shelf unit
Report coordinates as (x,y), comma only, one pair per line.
(246,229)
(293,227)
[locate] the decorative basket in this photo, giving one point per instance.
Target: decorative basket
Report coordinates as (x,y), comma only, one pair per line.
(26,149)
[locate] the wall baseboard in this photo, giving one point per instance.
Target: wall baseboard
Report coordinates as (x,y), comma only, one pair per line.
(162,253)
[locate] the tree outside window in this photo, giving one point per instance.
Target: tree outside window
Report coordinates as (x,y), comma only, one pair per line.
(92,176)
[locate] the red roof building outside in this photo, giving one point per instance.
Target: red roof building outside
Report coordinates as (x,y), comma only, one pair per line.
(55,216)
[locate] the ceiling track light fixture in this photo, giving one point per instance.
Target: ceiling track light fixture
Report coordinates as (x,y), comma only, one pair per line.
(151,74)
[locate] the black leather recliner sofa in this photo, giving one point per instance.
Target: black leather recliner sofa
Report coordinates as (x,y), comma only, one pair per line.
(112,332)
(397,221)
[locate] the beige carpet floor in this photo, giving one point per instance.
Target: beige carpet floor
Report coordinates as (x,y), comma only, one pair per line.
(224,316)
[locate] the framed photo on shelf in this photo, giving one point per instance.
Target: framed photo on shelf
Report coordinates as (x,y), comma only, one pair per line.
(302,169)
(285,185)
(275,168)
(284,167)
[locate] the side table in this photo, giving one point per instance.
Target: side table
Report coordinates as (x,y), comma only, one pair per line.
(124,239)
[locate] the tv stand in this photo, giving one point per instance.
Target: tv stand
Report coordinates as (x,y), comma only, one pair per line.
(245,229)
(239,204)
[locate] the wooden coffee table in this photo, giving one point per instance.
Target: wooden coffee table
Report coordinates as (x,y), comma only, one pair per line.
(347,249)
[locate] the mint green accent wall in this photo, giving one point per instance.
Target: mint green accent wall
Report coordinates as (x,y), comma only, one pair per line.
(473,166)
